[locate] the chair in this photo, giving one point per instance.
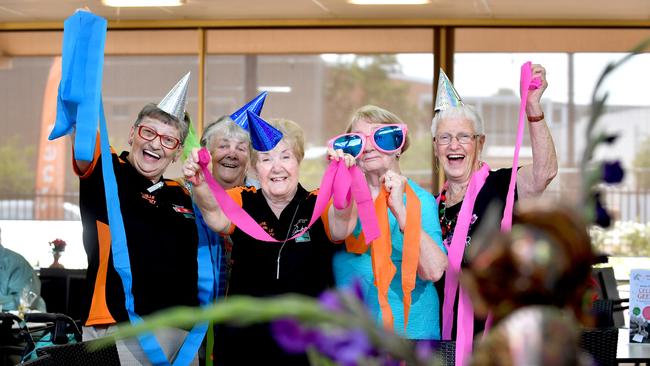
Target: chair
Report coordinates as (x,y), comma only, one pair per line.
(75,354)
(608,291)
(446,352)
(601,344)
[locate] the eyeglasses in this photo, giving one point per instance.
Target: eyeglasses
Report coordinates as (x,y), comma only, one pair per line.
(386,138)
(446,139)
(150,134)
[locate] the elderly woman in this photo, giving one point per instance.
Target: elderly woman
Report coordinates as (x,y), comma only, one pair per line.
(458,140)
(230,147)
(378,138)
(283,208)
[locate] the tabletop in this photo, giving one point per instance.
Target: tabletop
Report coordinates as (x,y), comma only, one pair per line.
(629,351)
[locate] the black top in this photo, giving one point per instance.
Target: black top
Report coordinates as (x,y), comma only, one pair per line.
(305,263)
(494,191)
(161,238)
(305,268)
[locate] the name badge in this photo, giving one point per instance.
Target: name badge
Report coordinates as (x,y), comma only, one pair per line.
(304,238)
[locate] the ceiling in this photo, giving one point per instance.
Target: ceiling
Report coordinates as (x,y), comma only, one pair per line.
(12,11)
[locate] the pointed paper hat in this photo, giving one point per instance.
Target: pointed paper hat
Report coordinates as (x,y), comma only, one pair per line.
(255,105)
(264,137)
(174,102)
(447,95)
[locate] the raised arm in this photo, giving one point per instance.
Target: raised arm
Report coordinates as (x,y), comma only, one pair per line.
(533,179)
(202,196)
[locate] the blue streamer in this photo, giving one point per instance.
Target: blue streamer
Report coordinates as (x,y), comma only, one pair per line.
(79,106)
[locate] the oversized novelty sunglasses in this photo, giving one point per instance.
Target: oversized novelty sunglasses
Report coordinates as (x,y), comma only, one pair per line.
(385,138)
(150,134)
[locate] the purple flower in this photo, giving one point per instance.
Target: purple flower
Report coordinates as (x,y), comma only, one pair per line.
(424,350)
(610,139)
(346,347)
(330,300)
(612,172)
(602,217)
(291,336)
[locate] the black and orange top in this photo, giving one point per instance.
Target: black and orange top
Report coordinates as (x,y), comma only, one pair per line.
(161,238)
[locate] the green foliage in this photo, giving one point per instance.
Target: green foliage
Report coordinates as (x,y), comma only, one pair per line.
(16,172)
(366,80)
(623,239)
(641,164)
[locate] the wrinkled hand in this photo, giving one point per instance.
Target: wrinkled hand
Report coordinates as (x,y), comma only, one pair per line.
(336,155)
(395,185)
(192,169)
(533,106)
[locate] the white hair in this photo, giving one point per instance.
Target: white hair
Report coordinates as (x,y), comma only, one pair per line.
(461,112)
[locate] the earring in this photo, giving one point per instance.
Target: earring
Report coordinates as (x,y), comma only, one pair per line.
(397,155)
(130,142)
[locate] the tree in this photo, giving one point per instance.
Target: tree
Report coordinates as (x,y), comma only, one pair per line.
(16,172)
(641,165)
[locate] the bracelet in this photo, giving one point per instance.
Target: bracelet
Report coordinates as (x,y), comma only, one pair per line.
(536,118)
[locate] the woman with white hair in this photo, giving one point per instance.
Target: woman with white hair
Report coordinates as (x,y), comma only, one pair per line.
(458,140)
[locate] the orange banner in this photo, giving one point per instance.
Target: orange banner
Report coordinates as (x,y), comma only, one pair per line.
(50,169)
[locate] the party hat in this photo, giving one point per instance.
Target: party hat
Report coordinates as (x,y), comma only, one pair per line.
(255,105)
(174,102)
(264,137)
(447,95)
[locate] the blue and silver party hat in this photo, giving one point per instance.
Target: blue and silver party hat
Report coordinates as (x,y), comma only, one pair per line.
(447,95)
(264,137)
(255,105)
(174,102)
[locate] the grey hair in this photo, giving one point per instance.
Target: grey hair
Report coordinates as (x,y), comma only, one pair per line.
(465,111)
(152,111)
(224,127)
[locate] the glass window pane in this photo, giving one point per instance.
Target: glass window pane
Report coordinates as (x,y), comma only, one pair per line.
(321,91)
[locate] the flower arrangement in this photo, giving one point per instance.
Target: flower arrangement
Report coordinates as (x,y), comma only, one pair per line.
(58,245)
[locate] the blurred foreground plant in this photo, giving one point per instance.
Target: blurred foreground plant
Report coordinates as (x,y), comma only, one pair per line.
(608,172)
(335,329)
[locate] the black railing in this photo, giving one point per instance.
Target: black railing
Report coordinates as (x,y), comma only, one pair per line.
(40,207)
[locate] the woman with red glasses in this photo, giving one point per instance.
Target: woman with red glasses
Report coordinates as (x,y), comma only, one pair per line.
(409,255)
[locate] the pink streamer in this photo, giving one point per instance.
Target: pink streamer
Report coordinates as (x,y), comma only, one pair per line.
(465,316)
(339,183)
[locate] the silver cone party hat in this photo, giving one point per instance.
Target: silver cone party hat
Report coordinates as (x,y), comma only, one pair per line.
(447,95)
(174,102)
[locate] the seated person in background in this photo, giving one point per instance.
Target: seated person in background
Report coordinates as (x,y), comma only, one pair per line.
(16,275)
(535,281)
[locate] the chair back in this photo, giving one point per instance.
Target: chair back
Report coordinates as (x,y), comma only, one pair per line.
(446,352)
(601,344)
(609,291)
(75,354)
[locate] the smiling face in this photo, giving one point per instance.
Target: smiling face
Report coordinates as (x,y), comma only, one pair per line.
(150,158)
(372,160)
(230,157)
(458,160)
(277,171)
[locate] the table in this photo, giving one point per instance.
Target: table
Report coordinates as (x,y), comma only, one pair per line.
(62,290)
(627,352)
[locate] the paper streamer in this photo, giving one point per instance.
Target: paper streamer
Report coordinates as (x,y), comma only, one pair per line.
(465,316)
(340,183)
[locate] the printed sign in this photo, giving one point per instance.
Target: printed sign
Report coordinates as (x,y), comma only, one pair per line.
(639,305)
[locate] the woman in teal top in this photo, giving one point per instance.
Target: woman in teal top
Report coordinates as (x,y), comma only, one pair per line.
(377,138)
